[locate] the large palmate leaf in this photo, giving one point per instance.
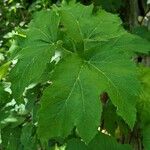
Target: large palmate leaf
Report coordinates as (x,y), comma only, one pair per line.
(82,29)
(80,83)
(35,52)
(98,61)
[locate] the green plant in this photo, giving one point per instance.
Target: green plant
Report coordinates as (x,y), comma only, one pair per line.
(110,5)
(13,14)
(61,64)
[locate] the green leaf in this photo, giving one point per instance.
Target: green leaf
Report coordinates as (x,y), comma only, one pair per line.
(105,142)
(76,144)
(81,82)
(143,32)
(73,30)
(117,70)
(72,100)
(74,104)
(27,138)
(110,5)
(143,106)
(11,138)
(105,67)
(102,26)
(36,51)
(4,69)
(4,96)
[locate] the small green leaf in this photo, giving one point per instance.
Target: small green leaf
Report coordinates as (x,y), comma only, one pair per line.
(4,69)
(27,138)
(4,96)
